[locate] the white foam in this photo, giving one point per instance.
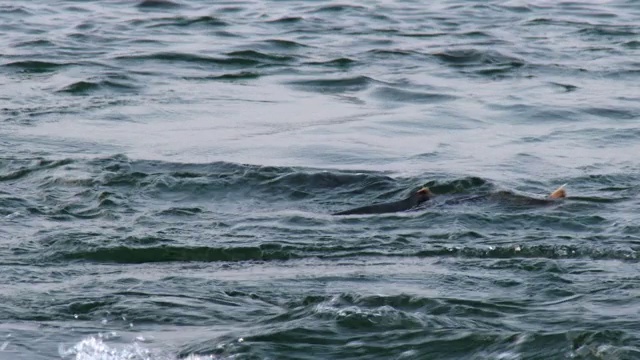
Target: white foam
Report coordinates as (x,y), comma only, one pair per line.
(95,348)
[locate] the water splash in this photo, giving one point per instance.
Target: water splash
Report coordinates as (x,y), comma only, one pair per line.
(95,348)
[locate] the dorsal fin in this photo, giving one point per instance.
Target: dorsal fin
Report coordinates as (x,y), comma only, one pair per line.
(559,193)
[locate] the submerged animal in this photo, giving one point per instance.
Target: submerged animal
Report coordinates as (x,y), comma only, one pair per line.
(409,203)
(508,197)
(425,194)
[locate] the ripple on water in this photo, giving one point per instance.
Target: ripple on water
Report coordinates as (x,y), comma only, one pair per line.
(183,21)
(158,4)
(189,58)
(399,95)
(88,87)
(286,20)
(336,85)
(201,255)
(34,66)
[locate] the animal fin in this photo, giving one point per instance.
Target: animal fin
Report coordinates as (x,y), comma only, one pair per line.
(559,193)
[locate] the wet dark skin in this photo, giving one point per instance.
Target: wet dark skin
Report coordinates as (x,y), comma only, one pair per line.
(425,194)
(409,203)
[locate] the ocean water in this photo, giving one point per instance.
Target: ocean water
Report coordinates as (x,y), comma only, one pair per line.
(168,168)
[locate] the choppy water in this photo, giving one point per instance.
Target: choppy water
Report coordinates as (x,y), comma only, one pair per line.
(168,168)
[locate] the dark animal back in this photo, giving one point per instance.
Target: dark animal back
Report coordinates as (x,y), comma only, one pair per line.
(382,208)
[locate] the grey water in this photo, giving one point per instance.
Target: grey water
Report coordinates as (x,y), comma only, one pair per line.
(168,169)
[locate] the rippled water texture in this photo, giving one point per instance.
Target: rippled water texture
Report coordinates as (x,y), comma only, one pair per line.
(168,169)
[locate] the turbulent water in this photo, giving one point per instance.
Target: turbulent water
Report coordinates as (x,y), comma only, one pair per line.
(168,168)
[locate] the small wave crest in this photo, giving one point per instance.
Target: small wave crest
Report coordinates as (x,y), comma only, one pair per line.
(400,95)
(90,86)
(337,85)
(133,255)
(158,4)
(98,348)
(485,63)
(35,66)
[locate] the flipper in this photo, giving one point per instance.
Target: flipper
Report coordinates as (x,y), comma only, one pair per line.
(559,193)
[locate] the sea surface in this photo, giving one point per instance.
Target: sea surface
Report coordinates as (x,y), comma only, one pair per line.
(168,170)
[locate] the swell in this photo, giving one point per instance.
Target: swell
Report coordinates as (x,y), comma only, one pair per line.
(90,86)
(154,211)
(158,4)
(189,58)
(11,169)
(123,254)
(235,58)
(399,95)
(336,85)
(36,66)
(411,326)
(485,63)
(283,252)
(115,186)
(185,21)
(230,177)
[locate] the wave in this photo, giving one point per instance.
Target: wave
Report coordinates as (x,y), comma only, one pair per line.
(35,66)
(633,44)
(337,85)
(262,213)
(407,326)
(36,43)
(286,20)
(480,62)
(386,53)
(241,75)
(17,10)
(252,54)
(86,87)
(339,8)
(283,252)
(101,184)
(158,4)
(129,255)
(12,169)
(184,21)
(190,58)
(399,95)
(610,31)
(101,347)
(339,62)
(284,44)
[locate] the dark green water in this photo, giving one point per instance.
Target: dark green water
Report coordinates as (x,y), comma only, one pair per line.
(167,169)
